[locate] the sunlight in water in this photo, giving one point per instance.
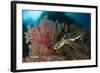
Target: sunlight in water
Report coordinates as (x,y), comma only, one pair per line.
(31,16)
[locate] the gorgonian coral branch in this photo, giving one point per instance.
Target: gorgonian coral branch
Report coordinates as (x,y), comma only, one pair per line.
(43,36)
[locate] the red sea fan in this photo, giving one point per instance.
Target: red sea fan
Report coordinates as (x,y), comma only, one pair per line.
(43,36)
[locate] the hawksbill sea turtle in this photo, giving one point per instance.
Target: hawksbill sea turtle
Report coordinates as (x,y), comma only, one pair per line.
(69,39)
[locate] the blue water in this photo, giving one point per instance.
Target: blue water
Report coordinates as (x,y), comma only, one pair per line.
(30,17)
(83,19)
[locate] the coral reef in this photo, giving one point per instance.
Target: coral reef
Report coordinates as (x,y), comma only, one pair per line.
(44,44)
